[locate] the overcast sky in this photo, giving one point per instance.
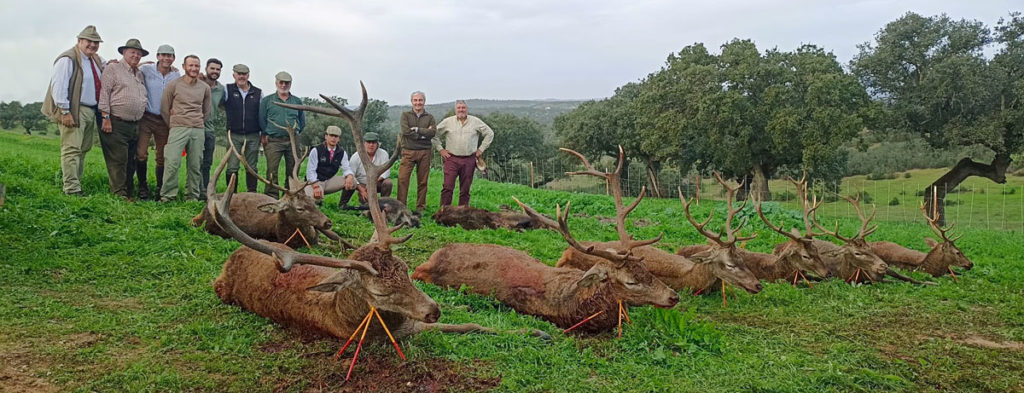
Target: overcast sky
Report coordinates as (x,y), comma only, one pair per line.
(514,49)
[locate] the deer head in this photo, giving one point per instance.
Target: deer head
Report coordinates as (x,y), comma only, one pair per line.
(800,250)
(944,250)
(855,250)
(722,258)
(294,206)
(625,273)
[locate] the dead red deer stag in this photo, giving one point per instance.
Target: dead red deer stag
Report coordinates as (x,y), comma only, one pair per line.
(854,261)
(678,272)
(564,296)
(471,218)
(937,262)
(277,220)
(306,291)
(792,258)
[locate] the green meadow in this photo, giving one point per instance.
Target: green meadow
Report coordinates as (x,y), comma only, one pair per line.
(99,294)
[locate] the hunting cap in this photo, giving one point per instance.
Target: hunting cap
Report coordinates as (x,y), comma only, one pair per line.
(333,130)
(133,44)
(240,68)
(89,33)
(283,76)
(165,50)
(371,137)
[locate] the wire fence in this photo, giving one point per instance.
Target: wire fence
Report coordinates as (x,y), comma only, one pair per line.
(975,203)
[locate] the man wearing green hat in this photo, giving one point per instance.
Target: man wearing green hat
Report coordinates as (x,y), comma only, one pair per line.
(378,156)
(276,143)
(122,103)
(152,124)
(242,109)
(71,102)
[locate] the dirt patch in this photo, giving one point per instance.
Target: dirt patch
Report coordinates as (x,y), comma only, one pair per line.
(80,340)
(606,220)
(978,341)
(19,372)
(645,223)
(387,373)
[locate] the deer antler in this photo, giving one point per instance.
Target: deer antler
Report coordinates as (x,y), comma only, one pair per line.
(252,171)
(934,224)
(863,232)
(757,206)
(620,211)
(373,171)
(294,184)
(809,206)
(730,232)
(283,256)
(616,257)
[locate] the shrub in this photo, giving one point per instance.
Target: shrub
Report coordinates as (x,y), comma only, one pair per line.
(906,175)
(894,202)
(878,175)
(952,202)
(1009,191)
(783,196)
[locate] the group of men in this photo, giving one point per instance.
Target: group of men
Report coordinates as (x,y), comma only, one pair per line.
(128,102)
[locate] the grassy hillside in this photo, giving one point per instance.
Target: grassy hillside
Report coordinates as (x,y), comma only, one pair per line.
(104,295)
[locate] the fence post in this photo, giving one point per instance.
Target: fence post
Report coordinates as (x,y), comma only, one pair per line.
(531,175)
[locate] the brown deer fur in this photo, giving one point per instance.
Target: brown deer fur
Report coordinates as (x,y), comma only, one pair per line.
(264,217)
(471,218)
(561,295)
(769,267)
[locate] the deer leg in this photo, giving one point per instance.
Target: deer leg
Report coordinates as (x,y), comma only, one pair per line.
(334,236)
(463,328)
(893,273)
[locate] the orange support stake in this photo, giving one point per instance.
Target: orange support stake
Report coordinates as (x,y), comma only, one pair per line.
(582,322)
(353,336)
(386,330)
(954,274)
(358,348)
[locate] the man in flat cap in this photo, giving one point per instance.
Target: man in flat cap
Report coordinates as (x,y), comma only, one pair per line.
(378,156)
(275,139)
(242,108)
(152,124)
(71,102)
(325,160)
(212,73)
(122,103)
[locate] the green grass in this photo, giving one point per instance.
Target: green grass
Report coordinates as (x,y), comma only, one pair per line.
(104,295)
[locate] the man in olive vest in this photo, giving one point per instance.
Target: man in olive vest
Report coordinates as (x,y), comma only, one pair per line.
(71,102)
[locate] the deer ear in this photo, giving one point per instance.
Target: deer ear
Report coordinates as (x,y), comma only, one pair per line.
(273,207)
(931,242)
(593,276)
(341,279)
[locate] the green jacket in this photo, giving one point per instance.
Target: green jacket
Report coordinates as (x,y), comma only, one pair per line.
(280,115)
(216,100)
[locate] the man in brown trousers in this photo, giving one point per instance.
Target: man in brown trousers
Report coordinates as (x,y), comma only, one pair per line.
(417,128)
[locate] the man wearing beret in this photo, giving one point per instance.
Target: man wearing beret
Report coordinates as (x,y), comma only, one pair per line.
(71,102)
(276,143)
(325,160)
(378,156)
(122,103)
(242,109)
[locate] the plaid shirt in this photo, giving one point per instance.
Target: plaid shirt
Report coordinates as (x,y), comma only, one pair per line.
(123,92)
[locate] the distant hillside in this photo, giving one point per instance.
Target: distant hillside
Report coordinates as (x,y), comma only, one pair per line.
(542,111)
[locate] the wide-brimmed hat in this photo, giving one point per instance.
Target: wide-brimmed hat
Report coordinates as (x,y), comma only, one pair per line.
(133,44)
(371,137)
(333,130)
(89,33)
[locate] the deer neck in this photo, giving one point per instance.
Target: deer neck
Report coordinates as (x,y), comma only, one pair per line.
(701,277)
(577,303)
(934,263)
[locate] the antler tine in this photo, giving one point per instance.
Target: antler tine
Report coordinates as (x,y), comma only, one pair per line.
(934,224)
(808,206)
(248,168)
(309,108)
(757,206)
(835,234)
(700,227)
(293,182)
(730,197)
(537,216)
(864,231)
(586,163)
(622,157)
(283,256)
(636,202)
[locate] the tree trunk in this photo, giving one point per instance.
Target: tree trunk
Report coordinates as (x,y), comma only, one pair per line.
(936,192)
(652,178)
(759,189)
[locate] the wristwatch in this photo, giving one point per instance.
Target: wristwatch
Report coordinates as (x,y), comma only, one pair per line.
(65,111)
(105,117)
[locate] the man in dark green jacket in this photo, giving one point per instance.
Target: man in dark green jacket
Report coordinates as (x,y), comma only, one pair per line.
(276,143)
(416,129)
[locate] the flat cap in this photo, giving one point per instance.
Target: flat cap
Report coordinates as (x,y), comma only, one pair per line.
(283,76)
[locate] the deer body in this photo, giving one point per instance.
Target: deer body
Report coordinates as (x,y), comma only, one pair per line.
(562,296)
(844,261)
(936,262)
(767,267)
(264,217)
(471,218)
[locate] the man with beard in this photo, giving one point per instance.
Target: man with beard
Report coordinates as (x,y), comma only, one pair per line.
(185,106)
(71,102)
(213,67)
(122,102)
(276,143)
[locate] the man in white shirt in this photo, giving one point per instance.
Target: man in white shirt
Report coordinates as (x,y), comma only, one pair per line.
(325,160)
(378,156)
(461,149)
(71,101)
